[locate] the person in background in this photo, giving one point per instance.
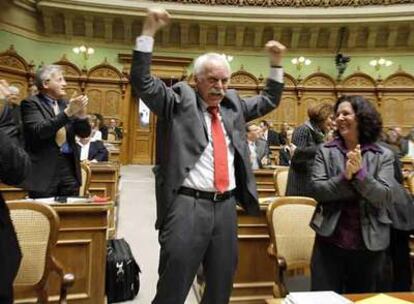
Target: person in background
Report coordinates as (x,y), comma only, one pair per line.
(202,165)
(14,167)
(393,141)
(287,150)
(49,124)
(93,151)
(96,134)
(352,178)
(14,102)
(397,275)
(101,126)
(33,90)
(306,138)
(271,137)
(258,148)
(114,129)
(407,145)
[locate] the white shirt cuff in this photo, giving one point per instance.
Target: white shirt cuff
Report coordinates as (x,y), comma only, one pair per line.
(144,44)
(276,74)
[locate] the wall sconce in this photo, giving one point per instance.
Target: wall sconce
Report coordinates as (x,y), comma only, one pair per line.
(227,57)
(300,62)
(85,51)
(380,63)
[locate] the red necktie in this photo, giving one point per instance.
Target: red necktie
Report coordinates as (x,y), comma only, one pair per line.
(221,171)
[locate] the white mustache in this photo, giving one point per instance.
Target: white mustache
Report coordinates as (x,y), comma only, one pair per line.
(217,92)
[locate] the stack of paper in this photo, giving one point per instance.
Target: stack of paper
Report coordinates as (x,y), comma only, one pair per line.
(382,299)
(316,297)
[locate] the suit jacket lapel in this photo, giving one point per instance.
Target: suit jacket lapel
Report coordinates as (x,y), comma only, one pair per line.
(201,117)
(44,104)
(62,105)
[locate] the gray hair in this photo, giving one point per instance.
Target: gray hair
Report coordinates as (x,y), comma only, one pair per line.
(202,61)
(45,73)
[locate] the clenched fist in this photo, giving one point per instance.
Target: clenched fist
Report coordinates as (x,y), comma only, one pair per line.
(156,19)
(276,51)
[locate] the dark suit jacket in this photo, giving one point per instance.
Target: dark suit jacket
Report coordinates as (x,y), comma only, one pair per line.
(284,157)
(40,126)
(182,132)
(274,138)
(262,150)
(14,166)
(306,138)
(97,151)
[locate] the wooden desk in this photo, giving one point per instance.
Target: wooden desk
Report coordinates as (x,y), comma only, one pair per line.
(114,149)
(264,182)
(81,249)
(104,182)
(104,179)
(274,158)
(407,163)
(12,193)
(407,296)
(253,282)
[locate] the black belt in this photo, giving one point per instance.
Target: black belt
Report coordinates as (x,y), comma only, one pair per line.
(212,196)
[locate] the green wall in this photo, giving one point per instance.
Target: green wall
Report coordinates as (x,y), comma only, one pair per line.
(257,64)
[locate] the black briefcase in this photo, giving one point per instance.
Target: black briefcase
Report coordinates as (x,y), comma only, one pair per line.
(122,272)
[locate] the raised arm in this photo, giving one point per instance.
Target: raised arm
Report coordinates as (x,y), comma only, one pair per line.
(269,99)
(153,92)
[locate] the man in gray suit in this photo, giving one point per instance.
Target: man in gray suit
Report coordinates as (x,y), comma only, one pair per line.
(202,165)
(258,148)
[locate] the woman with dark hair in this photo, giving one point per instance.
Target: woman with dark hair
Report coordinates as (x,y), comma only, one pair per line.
(352,178)
(306,138)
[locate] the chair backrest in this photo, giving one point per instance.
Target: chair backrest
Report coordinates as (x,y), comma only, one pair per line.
(37,229)
(280,177)
(86,179)
(291,238)
(111,136)
(410,182)
(275,152)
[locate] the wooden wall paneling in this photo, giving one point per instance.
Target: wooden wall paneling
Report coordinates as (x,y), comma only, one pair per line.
(317,88)
(287,110)
(398,101)
(106,88)
(16,70)
(245,83)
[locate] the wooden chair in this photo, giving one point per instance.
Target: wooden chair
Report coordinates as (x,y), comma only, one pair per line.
(37,228)
(111,137)
(291,238)
(280,177)
(410,182)
(275,152)
(86,179)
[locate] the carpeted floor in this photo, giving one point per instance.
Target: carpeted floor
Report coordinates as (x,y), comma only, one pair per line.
(136,225)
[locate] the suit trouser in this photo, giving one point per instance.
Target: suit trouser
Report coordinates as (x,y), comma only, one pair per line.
(64,182)
(343,270)
(399,251)
(197,231)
